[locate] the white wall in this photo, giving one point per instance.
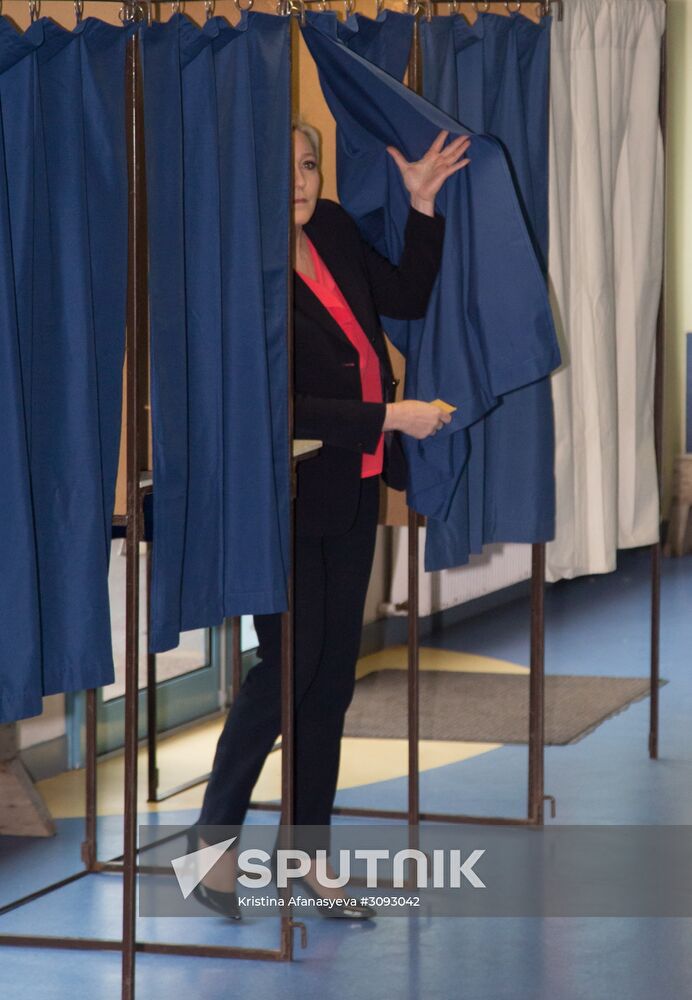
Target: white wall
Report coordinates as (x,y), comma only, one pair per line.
(47,726)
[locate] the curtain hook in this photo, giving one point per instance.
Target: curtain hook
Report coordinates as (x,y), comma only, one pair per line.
(78,10)
(248,6)
(454,7)
(545,8)
(209,8)
(322,5)
(132,10)
(428,10)
(349,6)
(175,7)
(484,6)
(379,7)
(34,9)
(293,7)
(515,9)
(412,6)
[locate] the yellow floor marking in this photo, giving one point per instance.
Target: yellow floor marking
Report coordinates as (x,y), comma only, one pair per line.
(190,752)
(395,658)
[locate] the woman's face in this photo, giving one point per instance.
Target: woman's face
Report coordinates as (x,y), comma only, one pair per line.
(306,178)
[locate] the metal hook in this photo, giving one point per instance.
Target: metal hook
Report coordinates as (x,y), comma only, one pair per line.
(482,4)
(322,5)
(454,7)
(133,11)
(515,9)
(412,6)
(78,10)
(248,6)
(428,11)
(175,7)
(283,8)
(299,8)
(34,9)
(379,7)
(349,6)
(209,8)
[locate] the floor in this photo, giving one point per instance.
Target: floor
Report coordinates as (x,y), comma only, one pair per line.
(593,625)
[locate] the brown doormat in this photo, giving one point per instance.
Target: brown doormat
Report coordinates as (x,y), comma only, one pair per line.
(486,707)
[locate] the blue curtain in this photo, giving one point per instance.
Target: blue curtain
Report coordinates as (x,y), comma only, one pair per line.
(218,152)
(489,329)
(63,250)
(385,41)
(493,75)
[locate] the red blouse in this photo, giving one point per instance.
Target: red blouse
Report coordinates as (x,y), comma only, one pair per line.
(331,297)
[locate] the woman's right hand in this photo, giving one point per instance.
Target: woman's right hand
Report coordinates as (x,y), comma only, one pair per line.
(414,417)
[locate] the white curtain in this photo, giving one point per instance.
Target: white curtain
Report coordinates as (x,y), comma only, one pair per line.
(605,265)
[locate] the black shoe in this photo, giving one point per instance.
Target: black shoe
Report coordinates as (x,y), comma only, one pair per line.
(224,903)
(340,910)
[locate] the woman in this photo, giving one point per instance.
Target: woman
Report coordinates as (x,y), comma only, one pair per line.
(343,397)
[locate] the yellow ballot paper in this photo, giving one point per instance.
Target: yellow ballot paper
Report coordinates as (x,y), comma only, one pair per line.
(446,407)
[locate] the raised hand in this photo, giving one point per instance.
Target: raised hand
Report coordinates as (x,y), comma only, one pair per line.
(423,178)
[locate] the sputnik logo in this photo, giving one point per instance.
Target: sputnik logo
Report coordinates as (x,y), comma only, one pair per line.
(191,868)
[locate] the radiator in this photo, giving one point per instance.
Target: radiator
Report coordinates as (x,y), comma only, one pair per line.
(497,567)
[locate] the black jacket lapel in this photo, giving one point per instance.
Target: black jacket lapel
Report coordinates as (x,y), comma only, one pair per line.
(337,256)
(306,302)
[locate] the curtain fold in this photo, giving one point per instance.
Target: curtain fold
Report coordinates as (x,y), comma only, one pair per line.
(481,339)
(606,261)
(384,40)
(493,75)
(218,153)
(63,228)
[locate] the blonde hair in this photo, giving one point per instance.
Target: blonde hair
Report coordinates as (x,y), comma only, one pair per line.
(310,133)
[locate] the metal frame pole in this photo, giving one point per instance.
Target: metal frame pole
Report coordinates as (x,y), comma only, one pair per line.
(89,844)
(136,336)
(656,549)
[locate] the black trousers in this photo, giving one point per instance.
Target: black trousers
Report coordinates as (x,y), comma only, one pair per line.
(331,581)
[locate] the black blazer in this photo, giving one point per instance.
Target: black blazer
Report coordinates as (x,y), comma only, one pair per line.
(328,400)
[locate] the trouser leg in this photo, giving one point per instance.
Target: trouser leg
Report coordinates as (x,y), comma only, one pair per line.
(320,712)
(254,719)
(331,581)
